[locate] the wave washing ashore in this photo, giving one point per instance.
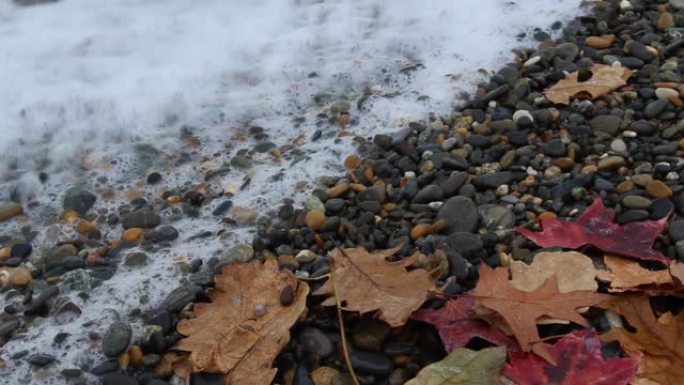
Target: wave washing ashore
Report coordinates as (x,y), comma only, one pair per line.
(148,144)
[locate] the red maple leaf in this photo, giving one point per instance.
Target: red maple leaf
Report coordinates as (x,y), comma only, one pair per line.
(596,227)
(457,323)
(580,362)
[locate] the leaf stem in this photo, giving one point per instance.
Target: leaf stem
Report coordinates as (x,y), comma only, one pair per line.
(343,333)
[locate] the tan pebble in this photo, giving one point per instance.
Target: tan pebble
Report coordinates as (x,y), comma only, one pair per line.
(600,42)
(135,353)
(611,163)
(421,230)
(69,216)
(642,179)
(665,21)
(5,253)
(547,215)
(402,360)
(324,375)
(565,163)
(658,189)
(681,144)
(174,199)
(19,276)
(10,210)
(133,194)
(288,377)
(287,259)
(427,167)
(315,219)
(124,361)
(352,162)
(337,191)
(357,187)
(625,186)
(343,120)
(133,234)
(504,259)
(589,169)
(462,131)
(84,227)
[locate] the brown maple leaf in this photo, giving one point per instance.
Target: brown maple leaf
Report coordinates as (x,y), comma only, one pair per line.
(604,79)
(367,282)
(245,326)
(575,271)
(659,342)
(521,309)
(628,275)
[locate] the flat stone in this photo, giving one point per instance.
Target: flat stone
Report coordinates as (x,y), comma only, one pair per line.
(41,360)
(676,230)
(179,298)
(144,218)
(116,339)
(496,216)
(609,124)
(611,163)
(315,341)
(494,179)
(371,363)
(79,200)
(429,193)
(636,202)
(9,210)
(161,234)
(459,214)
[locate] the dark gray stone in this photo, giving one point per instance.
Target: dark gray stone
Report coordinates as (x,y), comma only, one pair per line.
(144,218)
(116,339)
(315,341)
(79,200)
(459,214)
(179,298)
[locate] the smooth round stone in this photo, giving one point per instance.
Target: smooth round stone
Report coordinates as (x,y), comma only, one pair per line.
(41,360)
(636,202)
(334,205)
(154,178)
(71,372)
(477,141)
(116,339)
(495,216)
(611,163)
(658,189)
(241,162)
(677,4)
(144,218)
(8,327)
(654,108)
(660,208)
(21,250)
(79,200)
(609,124)
(162,233)
(73,263)
(370,335)
(555,147)
(642,179)
(494,179)
(315,341)
(618,145)
(429,193)
(222,208)
(371,363)
(676,230)
(632,216)
(135,259)
(459,214)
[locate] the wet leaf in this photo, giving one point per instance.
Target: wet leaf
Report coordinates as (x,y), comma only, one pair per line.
(366,282)
(245,326)
(657,341)
(604,79)
(627,275)
(464,367)
(521,309)
(575,271)
(596,227)
(458,323)
(580,362)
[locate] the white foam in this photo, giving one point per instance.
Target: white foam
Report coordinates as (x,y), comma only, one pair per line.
(96,76)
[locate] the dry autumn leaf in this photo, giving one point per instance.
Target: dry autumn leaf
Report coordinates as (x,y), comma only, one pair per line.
(575,271)
(245,326)
(604,80)
(624,274)
(521,309)
(464,367)
(657,341)
(367,282)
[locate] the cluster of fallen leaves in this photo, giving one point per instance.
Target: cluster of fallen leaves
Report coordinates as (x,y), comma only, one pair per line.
(247,323)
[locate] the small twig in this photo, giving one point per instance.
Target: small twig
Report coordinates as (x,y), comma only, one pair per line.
(342,331)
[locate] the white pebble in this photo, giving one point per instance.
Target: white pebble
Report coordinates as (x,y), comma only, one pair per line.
(618,145)
(613,319)
(672,176)
(531,61)
(573,212)
(531,171)
(517,115)
(629,134)
(410,174)
(435,205)
(493,104)
(427,155)
(666,93)
(502,190)
(625,6)
(259,310)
